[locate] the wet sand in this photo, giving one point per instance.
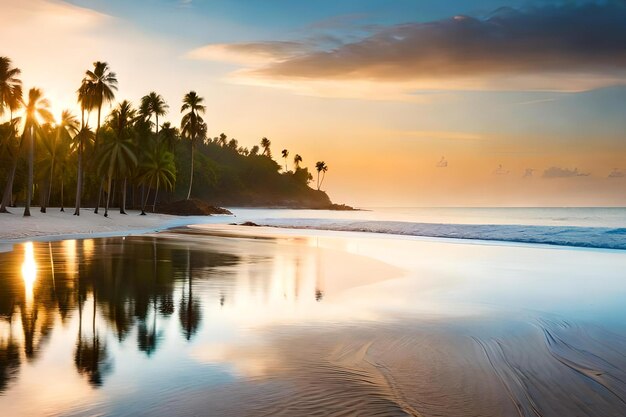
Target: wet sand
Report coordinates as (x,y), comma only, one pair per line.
(303,323)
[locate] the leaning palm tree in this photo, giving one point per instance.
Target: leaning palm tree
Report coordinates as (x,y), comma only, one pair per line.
(297,160)
(154,104)
(285,154)
(159,169)
(37,107)
(102,84)
(320,167)
(265,144)
(191,125)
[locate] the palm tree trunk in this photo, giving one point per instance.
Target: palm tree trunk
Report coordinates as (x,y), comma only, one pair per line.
(156,193)
(123,202)
(62,208)
(31,158)
(145,202)
(96,153)
(106,208)
(79,173)
(50,183)
(318,180)
(42,195)
(8,189)
(191,175)
(143,193)
(322,182)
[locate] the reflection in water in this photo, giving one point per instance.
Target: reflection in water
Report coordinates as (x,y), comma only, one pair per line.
(114,288)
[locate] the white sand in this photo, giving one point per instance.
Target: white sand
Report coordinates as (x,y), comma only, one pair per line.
(54,224)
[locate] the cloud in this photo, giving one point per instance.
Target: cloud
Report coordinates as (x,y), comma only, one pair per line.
(557,172)
(443,163)
(500,171)
(528,173)
(248,52)
(533,48)
(617,173)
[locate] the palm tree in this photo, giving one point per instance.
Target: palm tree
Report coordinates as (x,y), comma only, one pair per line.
(159,168)
(265,144)
(66,132)
(285,154)
(191,125)
(121,120)
(154,103)
(254,150)
(222,139)
(9,83)
(11,97)
(116,159)
(102,82)
(168,136)
(86,101)
(37,107)
(320,167)
(297,160)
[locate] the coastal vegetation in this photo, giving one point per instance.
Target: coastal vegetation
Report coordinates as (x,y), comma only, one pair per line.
(131,157)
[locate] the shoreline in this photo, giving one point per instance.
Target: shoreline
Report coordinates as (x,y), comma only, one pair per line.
(55,225)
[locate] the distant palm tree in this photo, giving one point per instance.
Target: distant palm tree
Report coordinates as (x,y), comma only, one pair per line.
(168,136)
(285,154)
(192,125)
(159,169)
(254,150)
(297,160)
(11,98)
(265,144)
(320,167)
(154,104)
(102,83)
(222,139)
(36,107)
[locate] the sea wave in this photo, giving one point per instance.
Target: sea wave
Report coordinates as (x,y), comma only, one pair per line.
(585,237)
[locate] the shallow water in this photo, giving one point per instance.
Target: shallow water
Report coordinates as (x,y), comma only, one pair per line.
(250,321)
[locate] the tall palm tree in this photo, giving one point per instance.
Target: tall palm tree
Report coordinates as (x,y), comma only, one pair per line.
(297,160)
(102,83)
(86,101)
(159,169)
(37,107)
(11,98)
(191,125)
(265,144)
(121,121)
(320,167)
(222,140)
(285,154)
(154,104)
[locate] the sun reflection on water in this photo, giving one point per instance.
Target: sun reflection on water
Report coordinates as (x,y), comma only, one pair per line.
(29,271)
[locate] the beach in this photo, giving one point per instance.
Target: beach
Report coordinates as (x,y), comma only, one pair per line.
(216,319)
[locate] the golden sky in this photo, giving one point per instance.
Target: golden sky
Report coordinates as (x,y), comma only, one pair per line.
(419,107)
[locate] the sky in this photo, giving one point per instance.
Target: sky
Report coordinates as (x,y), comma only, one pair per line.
(409,103)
